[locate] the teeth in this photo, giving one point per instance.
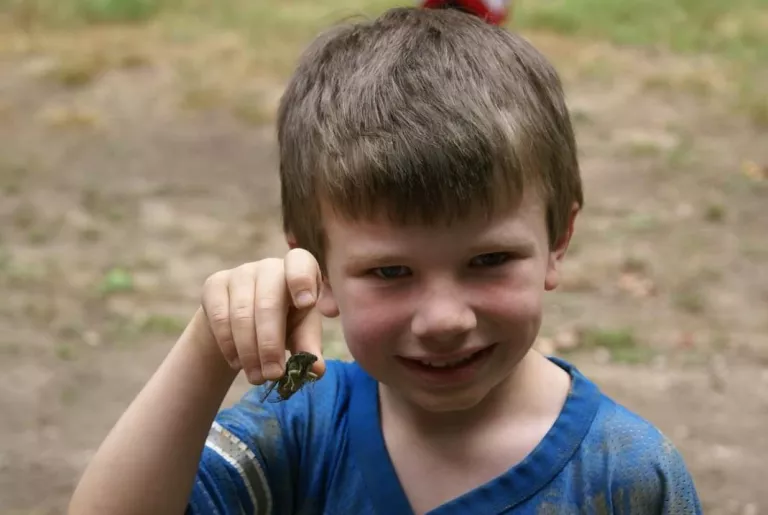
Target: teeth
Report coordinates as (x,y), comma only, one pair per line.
(443,364)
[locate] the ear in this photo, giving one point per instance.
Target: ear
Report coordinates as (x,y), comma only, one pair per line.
(556,254)
(326,302)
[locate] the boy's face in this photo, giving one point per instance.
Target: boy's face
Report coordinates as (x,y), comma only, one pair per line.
(414,295)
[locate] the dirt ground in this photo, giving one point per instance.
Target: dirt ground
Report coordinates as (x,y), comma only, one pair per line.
(120,193)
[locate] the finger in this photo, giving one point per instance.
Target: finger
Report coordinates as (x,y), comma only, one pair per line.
(215,303)
(307,336)
(271,317)
(302,274)
(242,284)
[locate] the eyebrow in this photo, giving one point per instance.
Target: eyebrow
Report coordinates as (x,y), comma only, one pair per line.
(373,259)
(502,237)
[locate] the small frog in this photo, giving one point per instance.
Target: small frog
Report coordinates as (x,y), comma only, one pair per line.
(298,372)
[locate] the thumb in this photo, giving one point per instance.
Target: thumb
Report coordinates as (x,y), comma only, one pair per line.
(307,336)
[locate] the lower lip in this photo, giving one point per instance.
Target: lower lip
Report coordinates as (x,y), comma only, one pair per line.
(449,375)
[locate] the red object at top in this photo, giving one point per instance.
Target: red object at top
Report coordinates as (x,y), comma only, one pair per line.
(492,11)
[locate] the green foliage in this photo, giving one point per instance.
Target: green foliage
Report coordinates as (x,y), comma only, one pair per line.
(112,11)
(73,12)
(621,344)
(117,280)
(734,29)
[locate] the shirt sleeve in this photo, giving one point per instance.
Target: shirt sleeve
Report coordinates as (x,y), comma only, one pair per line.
(649,474)
(677,489)
(245,466)
(271,458)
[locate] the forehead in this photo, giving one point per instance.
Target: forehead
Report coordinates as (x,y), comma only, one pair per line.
(522,221)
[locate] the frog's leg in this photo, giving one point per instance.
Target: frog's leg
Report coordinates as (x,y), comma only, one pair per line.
(293,379)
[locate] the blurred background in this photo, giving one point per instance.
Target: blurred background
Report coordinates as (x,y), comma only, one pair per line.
(137,157)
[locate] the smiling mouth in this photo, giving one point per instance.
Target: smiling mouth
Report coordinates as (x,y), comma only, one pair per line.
(451,364)
(446,364)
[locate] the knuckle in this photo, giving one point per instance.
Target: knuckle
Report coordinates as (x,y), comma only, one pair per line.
(245,269)
(268,304)
(242,312)
(271,262)
(219,316)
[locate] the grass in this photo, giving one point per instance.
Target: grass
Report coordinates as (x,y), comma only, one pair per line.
(24,216)
(12,176)
(65,351)
(106,206)
(734,33)
(127,330)
(621,344)
(31,13)
(735,30)
(116,280)
(715,213)
(274,33)
(163,324)
(690,299)
(79,71)
(70,117)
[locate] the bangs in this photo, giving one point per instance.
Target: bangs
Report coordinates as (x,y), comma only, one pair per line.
(424,176)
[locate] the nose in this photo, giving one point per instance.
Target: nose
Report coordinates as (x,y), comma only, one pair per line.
(443,314)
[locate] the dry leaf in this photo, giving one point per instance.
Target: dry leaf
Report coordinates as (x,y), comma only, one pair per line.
(70,117)
(754,171)
(687,340)
(636,285)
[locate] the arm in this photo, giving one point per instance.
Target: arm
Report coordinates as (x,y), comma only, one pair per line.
(148,462)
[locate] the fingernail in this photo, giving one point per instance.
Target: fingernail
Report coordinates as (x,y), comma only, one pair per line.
(235,363)
(254,376)
(272,371)
(304,299)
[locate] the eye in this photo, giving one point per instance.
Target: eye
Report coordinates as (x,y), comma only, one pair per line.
(391,272)
(491,259)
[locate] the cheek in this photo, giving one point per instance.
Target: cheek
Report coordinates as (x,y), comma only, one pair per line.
(372,320)
(514,307)
(516,301)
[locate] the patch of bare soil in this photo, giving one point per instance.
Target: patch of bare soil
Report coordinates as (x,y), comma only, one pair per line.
(117,200)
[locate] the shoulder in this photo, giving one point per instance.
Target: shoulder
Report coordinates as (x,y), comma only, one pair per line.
(619,434)
(629,437)
(639,468)
(642,462)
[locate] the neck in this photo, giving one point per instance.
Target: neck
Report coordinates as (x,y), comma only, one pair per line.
(527,391)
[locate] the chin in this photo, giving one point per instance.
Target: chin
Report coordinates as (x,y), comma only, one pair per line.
(447,402)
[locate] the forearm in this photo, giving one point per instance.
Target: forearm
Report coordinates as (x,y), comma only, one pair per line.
(148,462)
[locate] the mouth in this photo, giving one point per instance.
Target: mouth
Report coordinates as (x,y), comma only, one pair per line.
(448,369)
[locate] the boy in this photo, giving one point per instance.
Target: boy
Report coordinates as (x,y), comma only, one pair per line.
(430,186)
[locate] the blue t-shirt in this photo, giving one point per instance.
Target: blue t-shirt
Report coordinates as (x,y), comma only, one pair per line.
(322,452)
